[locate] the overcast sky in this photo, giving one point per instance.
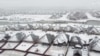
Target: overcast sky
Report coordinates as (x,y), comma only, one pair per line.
(50,3)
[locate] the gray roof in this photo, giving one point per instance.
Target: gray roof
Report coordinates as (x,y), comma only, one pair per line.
(62,36)
(94,42)
(34,37)
(20,36)
(67,36)
(6,37)
(50,37)
(30,26)
(78,39)
(20,27)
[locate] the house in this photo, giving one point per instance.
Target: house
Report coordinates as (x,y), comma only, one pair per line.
(18,36)
(61,38)
(20,27)
(56,16)
(47,38)
(92,30)
(29,26)
(39,48)
(45,27)
(69,28)
(79,29)
(10,27)
(95,44)
(5,37)
(76,41)
(32,37)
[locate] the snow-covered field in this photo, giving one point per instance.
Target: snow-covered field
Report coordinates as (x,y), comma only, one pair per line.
(39,48)
(12,53)
(57,50)
(9,45)
(24,46)
(91,53)
(33,55)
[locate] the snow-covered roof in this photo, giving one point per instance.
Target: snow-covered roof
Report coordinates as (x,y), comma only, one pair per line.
(95,44)
(47,38)
(18,36)
(61,38)
(32,37)
(76,39)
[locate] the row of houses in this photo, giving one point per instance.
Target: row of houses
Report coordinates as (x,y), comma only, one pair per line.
(53,27)
(32,37)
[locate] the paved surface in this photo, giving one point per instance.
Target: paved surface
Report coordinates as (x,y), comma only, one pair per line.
(70,51)
(91,53)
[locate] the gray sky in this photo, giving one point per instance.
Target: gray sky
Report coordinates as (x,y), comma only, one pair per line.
(50,3)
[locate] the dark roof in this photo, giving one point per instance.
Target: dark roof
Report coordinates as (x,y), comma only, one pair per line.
(20,27)
(20,36)
(78,39)
(34,37)
(30,26)
(67,36)
(6,37)
(50,37)
(62,35)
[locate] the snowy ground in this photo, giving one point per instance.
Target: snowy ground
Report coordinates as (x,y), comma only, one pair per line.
(57,50)
(39,48)
(12,53)
(70,51)
(24,46)
(9,45)
(33,55)
(91,53)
